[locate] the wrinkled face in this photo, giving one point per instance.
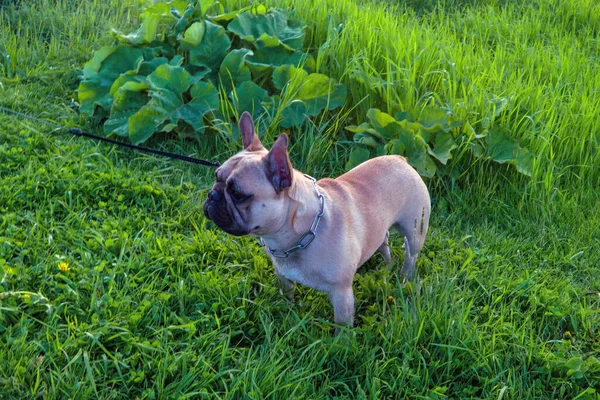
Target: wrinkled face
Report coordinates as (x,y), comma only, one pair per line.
(250,194)
(242,200)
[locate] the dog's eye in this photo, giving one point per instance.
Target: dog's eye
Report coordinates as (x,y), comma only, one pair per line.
(238,196)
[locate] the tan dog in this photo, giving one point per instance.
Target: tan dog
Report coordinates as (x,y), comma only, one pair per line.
(258,193)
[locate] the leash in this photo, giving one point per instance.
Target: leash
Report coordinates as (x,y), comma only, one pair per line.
(80,132)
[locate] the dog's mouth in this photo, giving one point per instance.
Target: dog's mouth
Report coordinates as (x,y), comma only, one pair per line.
(216,210)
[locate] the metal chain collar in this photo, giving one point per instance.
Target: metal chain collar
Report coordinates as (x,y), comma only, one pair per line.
(303,242)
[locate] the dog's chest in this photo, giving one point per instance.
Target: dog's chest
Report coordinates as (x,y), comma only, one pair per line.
(296,271)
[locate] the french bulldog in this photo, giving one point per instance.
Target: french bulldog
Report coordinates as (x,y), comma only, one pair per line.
(319,233)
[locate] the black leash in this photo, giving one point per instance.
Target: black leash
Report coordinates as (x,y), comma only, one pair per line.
(79,132)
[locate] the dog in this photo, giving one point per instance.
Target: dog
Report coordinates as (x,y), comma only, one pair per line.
(318,233)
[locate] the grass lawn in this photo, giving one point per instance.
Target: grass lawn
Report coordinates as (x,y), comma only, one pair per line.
(114,285)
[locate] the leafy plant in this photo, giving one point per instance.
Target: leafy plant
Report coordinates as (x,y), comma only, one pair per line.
(427,137)
(193,59)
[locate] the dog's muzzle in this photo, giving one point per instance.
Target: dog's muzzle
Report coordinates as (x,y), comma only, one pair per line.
(211,204)
(216,210)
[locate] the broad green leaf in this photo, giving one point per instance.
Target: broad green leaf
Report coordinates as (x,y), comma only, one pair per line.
(164,8)
(145,68)
(167,77)
(574,363)
(416,154)
(395,146)
(167,105)
(315,91)
(254,9)
(524,161)
(211,51)
(158,111)
(268,41)
(249,97)
(442,146)
(151,19)
(267,58)
(129,95)
(182,20)
(144,34)
(434,119)
(259,71)
(233,70)
(161,109)
(501,147)
(92,67)
(272,29)
(407,120)
(470,133)
(192,36)
(205,97)
(408,115)
(125,104)
(319,91)
(358,155)
(476,149)
(366,139)
(135,86)
(176,61)
(294,114)
(94,90)
(384,124)
(426,135)
(158,49)
(204,6)
(364,127)
(128,77)
(288,75)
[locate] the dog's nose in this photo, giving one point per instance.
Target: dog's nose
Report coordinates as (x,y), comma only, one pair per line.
(214,195)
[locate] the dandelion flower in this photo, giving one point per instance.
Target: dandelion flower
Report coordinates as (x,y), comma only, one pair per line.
(63,266)
(26,296)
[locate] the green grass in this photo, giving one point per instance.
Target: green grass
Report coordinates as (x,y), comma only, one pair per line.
(157,303)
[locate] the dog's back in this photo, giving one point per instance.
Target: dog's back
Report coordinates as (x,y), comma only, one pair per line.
(388,192)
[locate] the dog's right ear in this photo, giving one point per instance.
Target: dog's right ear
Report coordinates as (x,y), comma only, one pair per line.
(278,167)
(250,140)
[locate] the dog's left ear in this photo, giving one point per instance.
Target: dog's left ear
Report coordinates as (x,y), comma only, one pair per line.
(250,140)
(278,166)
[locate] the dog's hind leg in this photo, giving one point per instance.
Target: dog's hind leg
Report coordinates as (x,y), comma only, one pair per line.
(414,232)
(410,261)
(384,249)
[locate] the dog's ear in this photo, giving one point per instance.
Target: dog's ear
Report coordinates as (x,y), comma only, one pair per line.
(278,167)
(250,140)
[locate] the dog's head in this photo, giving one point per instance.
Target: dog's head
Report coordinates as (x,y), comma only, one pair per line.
(250,193)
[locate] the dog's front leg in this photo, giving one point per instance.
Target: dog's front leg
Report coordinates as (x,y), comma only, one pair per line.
(342,299)
(287,287)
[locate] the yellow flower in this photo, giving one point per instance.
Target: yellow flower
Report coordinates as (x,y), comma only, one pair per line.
(26,296)
(63,266)
(9,271)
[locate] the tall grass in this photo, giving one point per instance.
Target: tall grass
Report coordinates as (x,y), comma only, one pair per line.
(531,68)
